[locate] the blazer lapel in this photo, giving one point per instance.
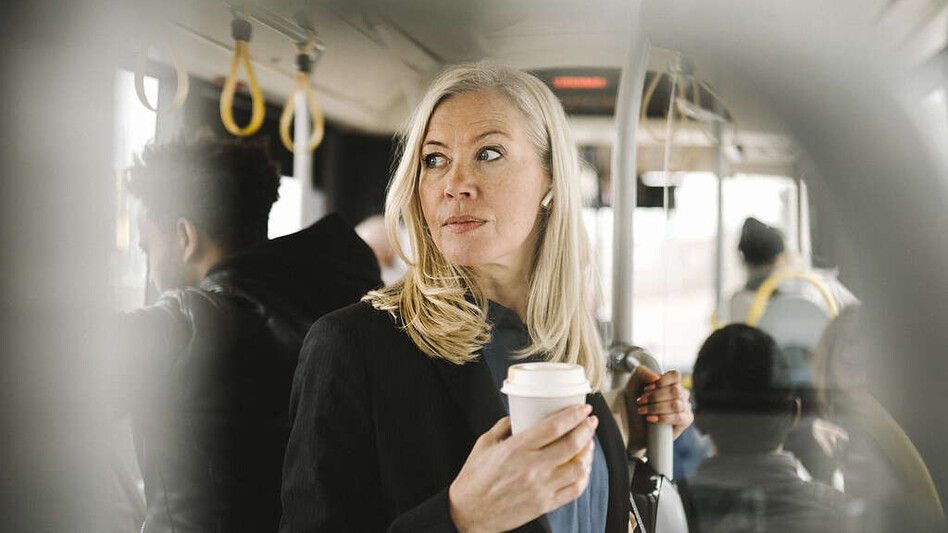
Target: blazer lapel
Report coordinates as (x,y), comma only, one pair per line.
(472,388)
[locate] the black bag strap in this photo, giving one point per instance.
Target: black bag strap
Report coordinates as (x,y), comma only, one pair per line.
(648,488)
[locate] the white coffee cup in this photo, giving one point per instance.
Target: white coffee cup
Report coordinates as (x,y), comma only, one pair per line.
(537,390)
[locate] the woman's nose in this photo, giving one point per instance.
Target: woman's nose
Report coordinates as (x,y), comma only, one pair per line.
(459,183)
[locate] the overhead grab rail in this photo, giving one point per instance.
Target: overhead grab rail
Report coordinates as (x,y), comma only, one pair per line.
(699,84)
(181,91)
(680,102)
(241,30)
(304,63)
(297,31)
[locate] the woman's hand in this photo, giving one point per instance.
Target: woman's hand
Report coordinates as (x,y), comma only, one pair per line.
(659,399)
(508,480)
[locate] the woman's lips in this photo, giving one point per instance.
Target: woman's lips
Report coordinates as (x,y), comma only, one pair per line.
(463,224)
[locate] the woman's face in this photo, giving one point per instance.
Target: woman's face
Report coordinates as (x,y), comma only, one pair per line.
(482,182)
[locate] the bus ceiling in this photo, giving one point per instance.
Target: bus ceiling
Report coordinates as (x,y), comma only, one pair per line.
(379,55)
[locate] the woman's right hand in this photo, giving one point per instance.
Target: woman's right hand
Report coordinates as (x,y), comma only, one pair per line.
(508,480)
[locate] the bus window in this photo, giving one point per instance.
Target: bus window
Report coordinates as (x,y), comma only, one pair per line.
(135,126)
(770,199)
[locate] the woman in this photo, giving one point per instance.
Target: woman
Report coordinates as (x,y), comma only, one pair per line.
(398,422)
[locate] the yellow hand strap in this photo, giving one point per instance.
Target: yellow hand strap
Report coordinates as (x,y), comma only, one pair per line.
(774,280)
(302,84)
(715,322)
(697,100)
(286,118)
(242,54)
(646,100)
(181,92)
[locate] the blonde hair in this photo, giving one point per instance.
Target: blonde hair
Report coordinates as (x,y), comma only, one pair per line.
(439,304)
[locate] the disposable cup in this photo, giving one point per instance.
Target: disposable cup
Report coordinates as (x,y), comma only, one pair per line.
(537,390)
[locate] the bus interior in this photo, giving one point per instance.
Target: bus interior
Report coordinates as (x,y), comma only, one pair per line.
(829,123)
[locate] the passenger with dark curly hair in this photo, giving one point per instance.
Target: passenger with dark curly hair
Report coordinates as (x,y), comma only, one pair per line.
(213,195)
(207,369)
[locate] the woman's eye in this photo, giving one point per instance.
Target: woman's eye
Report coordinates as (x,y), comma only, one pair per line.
(433,160)
(488,154)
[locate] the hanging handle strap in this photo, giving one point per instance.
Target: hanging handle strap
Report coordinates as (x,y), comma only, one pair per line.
(647,99)
(304,64)
(181,91)
(240,29)
(696,91)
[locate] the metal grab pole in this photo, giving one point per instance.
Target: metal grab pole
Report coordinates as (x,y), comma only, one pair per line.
(798,185)
(721,171)
(303,160)
(628,106)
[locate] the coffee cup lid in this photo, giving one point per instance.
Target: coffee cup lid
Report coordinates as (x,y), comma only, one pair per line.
(546,380)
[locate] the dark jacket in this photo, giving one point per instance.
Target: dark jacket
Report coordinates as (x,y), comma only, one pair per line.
(762,492)
(380,430)
(211,370)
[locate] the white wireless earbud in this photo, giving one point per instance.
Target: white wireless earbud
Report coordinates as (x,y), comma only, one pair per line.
(545,203)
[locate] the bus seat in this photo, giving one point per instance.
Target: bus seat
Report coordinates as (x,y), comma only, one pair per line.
(794,321)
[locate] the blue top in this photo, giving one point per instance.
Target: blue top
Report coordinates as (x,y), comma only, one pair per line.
(586,514)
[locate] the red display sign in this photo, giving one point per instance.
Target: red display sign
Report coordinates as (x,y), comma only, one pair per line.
(580,82)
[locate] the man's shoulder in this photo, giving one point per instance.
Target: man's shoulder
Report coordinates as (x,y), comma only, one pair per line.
(770,476)
(789,505)
(824,494)
(186,299)
(203,310)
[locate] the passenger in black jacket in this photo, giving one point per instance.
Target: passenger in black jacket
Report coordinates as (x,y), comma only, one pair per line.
(207,369)
(398,422)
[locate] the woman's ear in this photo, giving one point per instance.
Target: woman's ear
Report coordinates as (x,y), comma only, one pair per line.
(188,240)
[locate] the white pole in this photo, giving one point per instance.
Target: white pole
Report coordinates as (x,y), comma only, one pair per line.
(720,170)
(798,186)
(303,161)
(628,106)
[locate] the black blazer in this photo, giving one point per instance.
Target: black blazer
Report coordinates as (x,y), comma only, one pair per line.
(381,430)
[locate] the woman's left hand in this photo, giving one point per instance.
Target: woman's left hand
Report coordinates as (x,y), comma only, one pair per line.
(658,399)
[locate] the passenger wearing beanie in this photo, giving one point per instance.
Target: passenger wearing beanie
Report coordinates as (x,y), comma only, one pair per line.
(761,247)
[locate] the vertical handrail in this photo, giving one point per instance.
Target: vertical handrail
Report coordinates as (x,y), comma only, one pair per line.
(624,181)
(720,170)
(303,159)
(798,190)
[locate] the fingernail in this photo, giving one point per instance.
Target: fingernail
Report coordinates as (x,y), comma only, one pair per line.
(643,410)
(652,418)
(641,399)
(594,420)
(587,408)
(649,387)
